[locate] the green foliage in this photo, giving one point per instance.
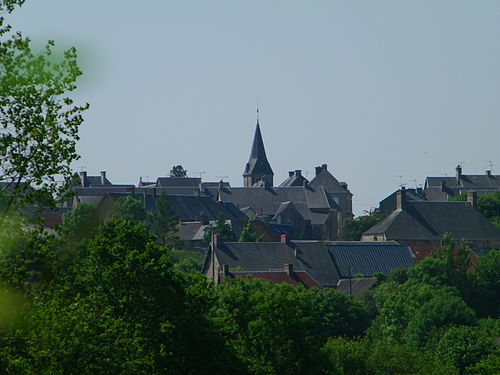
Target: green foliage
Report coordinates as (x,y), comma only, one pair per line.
(487,285)
(38,121)
(164,224)
(248,234)
(178,171)
(409,313)
(187,261)
(130,209)
(353,228)
(221,228)
(80,222)
(465,346)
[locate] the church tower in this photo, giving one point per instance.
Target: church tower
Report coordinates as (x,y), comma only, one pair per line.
(258,172)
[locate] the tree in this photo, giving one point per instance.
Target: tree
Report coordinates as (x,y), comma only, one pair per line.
(178,171)
(38,122)
(221,228)
(488,205)
(354,228)
(129,208)
(248,234)
(80,221)
(164,224)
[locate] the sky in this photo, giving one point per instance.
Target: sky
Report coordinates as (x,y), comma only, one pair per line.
(384,92)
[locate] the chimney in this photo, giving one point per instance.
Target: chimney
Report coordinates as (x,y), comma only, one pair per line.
(290,173)
(298,172)
(284,238)
(103,177)
(305,183)
(344,185)
(217,240)
(472,198)
(288,268)
(401,199)
(458,174)
(83,177)
(443,185)
(225,269)
(324,166)
(221,185)
(318,170)
(488,173)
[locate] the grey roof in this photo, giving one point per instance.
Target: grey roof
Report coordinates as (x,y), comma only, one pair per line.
(326,262)
(388,204)
(368,258)
(427,220)
(326,180)
(269,256)
(295,178)
(356,286)
(193,182)
(257,163)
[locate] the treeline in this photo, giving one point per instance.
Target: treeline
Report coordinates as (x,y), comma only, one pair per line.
(115,302)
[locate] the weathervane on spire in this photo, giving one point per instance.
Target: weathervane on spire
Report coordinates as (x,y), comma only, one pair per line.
(257,109)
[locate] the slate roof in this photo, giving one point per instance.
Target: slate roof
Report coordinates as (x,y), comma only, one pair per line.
(427,220)
(326,180)
(257,163)
(192,182)
(357,285)
(325,261)
(368,258)
(388,204)
(295,178)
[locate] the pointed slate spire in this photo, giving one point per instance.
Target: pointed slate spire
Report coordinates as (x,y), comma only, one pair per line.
(258,168)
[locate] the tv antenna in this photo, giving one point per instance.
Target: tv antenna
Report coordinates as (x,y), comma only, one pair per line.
(221,178)
(400,181)
(490,164)
(416,186)
(82,168)
(199,173)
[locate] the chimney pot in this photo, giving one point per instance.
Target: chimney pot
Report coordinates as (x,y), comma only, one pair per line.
(472,198)
(83,177)
(459,173)
(401,199)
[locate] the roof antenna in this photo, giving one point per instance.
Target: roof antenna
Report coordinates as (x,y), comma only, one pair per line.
(490,164)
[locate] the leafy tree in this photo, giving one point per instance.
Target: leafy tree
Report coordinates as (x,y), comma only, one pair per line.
(221,228)
(248,234)
(164,224)
(129,208)
(80,221)
(38,121)
(178,171)
(353,228)
(486,281)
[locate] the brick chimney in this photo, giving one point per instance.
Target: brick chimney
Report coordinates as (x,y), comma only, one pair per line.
(458,170)
(103,177)
(472,198)
(284,238)
(288,268)
(217,240)
(83,177)
(401,199)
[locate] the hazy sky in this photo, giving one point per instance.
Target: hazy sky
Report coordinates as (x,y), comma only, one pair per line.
(375,89)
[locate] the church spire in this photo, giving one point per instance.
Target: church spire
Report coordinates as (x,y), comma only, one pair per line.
(258,169)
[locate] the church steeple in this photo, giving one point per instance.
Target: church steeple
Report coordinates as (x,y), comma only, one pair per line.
(258,170)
